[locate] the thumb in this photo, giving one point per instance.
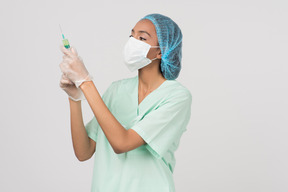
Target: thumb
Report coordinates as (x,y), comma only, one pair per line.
(65,80)
(74,51)
(64,50)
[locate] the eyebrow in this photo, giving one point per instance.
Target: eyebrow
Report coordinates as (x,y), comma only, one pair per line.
(141,32)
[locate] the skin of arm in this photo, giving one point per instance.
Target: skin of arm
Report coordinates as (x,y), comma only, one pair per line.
(84,147)
(120,139)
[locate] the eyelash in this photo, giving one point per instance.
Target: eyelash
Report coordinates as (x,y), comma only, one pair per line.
(141,38)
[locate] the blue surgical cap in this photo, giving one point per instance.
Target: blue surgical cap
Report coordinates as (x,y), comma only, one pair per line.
(170,41)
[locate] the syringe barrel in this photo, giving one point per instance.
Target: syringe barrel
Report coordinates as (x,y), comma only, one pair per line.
(66,43)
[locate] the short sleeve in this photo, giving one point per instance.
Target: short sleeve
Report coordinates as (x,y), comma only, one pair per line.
(162,127)
(92,127)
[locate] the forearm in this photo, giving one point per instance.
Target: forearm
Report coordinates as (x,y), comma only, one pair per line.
(81,141)
(113,130)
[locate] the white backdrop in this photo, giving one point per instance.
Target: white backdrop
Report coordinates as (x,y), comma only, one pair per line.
(234,64)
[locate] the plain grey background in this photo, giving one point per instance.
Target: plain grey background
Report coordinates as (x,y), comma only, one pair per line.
(234,64)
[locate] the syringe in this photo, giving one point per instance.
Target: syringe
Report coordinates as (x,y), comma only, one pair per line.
(65,41)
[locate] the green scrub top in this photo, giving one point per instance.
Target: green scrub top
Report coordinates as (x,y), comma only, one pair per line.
(160,119)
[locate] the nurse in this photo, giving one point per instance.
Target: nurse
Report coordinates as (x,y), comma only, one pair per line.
(138,121)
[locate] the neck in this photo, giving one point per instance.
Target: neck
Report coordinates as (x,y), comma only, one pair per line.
(150,77)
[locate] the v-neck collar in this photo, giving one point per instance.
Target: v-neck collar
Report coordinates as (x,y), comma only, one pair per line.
(149,95)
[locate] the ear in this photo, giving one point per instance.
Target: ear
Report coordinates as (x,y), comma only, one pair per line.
(159,55)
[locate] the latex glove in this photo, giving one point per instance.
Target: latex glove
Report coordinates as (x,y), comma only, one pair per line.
(69,87)
(73,67)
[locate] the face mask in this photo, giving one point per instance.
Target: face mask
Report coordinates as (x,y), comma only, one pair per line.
(135,52)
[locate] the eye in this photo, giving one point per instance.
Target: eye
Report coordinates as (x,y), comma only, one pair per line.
(142,39)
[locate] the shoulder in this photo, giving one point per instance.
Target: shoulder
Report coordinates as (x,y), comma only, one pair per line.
(124,82)
(120,86)
(177,90)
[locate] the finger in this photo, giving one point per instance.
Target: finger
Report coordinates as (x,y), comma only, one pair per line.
(64,67)
(67,60)
(64,77)
(65,51)
(66,80)
(65,57)
(74,51)
(63,83)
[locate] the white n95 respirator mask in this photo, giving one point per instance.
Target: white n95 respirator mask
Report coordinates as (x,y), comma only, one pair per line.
(135,54)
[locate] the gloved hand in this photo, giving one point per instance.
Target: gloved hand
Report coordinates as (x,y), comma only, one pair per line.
(73,67)
(69,87)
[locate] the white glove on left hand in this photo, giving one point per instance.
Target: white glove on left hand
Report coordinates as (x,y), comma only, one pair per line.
(73,67)
(69,87)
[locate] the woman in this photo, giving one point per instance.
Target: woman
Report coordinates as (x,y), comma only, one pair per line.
(138,122)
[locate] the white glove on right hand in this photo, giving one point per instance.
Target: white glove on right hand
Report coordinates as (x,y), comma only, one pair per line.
(69,87)
(73,67)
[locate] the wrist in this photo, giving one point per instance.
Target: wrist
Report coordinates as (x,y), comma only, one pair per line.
(80,82)
(73,101)
(86,84)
